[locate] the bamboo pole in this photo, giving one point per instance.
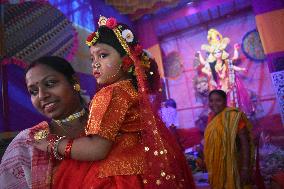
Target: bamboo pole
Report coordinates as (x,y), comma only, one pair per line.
(3,72)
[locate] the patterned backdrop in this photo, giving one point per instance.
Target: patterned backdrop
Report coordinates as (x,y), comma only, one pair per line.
(34,29)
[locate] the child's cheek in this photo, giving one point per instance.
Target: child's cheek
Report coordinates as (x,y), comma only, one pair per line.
(109,65)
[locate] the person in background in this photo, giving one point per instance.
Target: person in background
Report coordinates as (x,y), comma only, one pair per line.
(228,145)
(169,113)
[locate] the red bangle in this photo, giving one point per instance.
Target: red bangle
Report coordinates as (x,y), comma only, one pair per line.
(67,152)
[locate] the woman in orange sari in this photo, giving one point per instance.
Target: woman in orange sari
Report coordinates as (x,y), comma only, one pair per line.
(126,144)
(228,148)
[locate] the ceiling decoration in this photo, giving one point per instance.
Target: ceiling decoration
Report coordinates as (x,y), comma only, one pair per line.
(203,17)
(137,8)
(35,29)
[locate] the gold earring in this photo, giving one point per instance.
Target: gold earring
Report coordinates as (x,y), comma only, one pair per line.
(77,87)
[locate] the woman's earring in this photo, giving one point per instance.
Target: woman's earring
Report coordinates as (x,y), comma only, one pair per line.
(77,87)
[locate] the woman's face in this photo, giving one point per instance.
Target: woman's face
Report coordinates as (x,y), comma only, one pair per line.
(51,94)
(106,64)
(217,103)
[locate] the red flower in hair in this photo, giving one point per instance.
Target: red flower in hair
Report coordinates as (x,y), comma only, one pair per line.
(111,23)
(91,36)
(138,50)
(126,63)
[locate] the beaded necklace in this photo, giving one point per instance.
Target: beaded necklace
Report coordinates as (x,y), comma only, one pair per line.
(70,117)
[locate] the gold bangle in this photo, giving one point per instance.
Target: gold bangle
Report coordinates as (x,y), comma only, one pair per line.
(55,148)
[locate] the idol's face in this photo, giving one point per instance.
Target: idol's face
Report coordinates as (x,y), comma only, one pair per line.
(202,86)
(106,64)
(217,54)
(51,93)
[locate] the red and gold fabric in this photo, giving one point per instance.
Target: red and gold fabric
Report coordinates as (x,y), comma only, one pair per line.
(115,114)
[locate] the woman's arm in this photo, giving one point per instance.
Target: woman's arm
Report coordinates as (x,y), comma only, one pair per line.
(236,52)
(206,70)
(200,57)
(237,68)
(245,155)
(245,147)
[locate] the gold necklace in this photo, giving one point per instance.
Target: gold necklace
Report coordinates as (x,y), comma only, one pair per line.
(70,117)
(61,125)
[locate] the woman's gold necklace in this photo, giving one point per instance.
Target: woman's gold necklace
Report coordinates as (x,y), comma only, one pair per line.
(71,117)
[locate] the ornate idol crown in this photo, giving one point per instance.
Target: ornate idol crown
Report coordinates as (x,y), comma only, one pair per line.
(216,43)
